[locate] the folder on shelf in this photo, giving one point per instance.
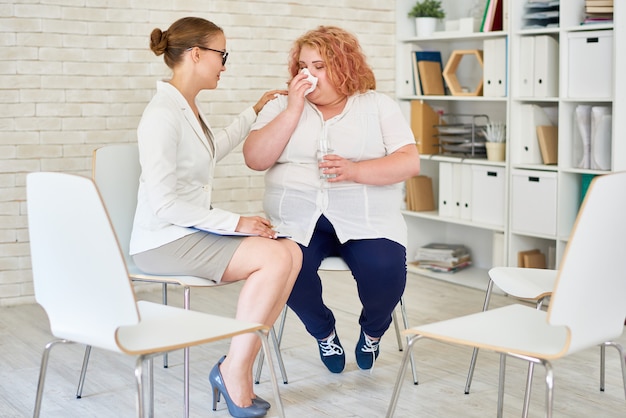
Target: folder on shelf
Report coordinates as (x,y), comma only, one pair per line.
(429,56)
(494,67)
(532,116)
(521,256)
(526,69)
(548,143)
(406,85)
(431,78)
(535,260)
(546,65)
(423,122)
(419,194)
(539,66)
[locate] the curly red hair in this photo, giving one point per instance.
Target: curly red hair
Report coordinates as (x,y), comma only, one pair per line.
(346,64)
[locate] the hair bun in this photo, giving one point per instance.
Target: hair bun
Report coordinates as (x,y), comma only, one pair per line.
(158,41)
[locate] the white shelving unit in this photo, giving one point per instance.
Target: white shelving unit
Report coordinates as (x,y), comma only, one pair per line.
(561,184)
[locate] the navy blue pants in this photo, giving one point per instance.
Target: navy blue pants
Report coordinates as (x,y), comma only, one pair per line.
(378,266)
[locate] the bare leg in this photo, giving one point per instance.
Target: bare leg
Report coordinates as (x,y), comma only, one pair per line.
(270,268)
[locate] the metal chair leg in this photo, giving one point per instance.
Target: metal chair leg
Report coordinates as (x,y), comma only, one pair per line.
(42,374)
(139,381)
(186,305)
(398,385)
(397,328)
(470,373)
(164,300)
(622,358)
(276,340)
(405,322)
(602,361)
(501,385)
(278,404)
(83,372)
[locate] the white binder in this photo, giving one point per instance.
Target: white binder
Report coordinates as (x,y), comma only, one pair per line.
(465,191)
(532,116)
(526,69)
(446,196)
(546,66)
(495,68)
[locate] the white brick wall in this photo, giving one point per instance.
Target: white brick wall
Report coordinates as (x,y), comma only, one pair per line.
(75,75)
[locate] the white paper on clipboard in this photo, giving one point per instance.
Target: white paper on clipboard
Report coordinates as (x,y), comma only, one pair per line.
(224,232)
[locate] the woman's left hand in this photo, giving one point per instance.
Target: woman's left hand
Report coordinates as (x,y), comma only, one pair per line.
(343,169)
(267,96)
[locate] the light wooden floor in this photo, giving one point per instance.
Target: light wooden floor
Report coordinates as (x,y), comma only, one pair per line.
(312,391)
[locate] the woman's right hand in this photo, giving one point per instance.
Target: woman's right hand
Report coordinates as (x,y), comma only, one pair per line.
(297,87)
(256,225)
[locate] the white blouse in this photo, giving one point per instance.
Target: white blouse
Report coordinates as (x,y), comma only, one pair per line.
(370,126)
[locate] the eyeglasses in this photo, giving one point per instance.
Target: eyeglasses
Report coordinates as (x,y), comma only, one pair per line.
(224,53)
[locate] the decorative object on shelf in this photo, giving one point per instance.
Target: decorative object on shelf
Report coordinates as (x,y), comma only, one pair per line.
(460,135)
(462,25)
(449,72)
(426,14)
(495,135)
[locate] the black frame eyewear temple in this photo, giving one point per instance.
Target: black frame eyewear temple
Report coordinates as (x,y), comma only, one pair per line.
(224,53)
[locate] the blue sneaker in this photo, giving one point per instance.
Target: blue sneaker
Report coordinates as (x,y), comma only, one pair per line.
(332,354)
(366,352)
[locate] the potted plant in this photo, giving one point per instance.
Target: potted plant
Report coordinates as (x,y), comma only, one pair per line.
(495,135)
(426,13)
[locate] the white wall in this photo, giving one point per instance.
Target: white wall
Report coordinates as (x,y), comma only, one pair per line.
(76,74)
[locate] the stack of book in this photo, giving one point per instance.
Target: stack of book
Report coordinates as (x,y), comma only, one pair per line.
(598,11)
(444,258)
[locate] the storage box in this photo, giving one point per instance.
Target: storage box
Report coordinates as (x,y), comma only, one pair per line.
(488,194)
(590,64)
(533,209)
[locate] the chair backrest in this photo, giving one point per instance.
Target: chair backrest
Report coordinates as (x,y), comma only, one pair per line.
(590,291)
(79,274)
(116,171)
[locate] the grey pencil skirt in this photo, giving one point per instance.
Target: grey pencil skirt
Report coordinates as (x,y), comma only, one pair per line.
(199,254)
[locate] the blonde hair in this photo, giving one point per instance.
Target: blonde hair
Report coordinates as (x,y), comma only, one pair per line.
(181,35)
(346,64)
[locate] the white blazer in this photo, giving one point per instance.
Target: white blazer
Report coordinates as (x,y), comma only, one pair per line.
(177,168)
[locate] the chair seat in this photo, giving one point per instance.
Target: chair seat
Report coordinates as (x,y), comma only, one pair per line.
(516,329)
(185,281)
(524,283)
(160,329)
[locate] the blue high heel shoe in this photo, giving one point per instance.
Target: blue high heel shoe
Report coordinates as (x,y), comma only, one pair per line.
(218,387)
(258,401)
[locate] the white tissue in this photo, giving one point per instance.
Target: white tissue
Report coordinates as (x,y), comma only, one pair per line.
(311,78)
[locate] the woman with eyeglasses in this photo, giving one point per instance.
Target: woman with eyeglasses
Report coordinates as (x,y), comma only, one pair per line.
(178,151)
(336,153)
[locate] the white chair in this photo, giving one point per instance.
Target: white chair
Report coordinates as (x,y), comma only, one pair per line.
(116,171)
(590,276)
(338,264)
(81,281)
(531,285)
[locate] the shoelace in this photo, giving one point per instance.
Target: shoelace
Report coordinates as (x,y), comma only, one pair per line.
(370,346)
(329,348)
